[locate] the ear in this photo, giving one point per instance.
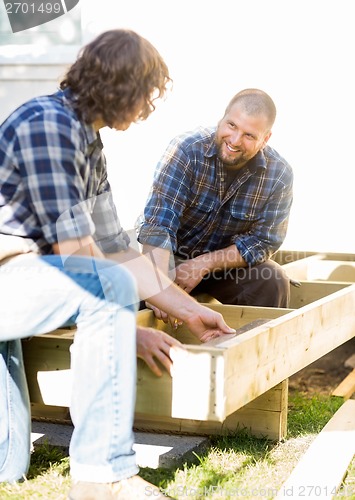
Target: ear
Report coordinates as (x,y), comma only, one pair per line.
(266,138)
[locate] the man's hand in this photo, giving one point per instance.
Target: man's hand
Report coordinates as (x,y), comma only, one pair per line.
(154,346)
(207,324)
(189,273)
(159,314)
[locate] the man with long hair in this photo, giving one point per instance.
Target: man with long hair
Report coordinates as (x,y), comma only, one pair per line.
(64,259)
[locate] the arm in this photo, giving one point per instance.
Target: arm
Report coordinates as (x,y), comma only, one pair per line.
(269,222)
(190,272)
(160,258)
(204,323)
(154,347)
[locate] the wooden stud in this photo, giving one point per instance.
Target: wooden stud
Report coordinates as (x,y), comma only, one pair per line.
(322,468)
(346,388)
(318,268)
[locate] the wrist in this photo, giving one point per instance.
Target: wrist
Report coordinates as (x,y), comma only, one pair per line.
(204,263)
(188,308)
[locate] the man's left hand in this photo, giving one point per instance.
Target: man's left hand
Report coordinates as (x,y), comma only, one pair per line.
(155,348)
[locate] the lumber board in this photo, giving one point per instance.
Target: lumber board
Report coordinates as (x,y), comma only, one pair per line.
(260,423)
(332,270)
(47,362)
(346,388)
(317,268)
(50,412)
(320,471)
(265,417)
(261,358)
(310,291)
(285,256)
(299,269)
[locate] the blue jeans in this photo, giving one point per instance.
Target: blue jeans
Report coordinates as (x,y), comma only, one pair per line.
(40,294)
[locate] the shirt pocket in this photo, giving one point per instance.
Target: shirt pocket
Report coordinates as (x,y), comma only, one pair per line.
(202,200)
(205,204)
(199,211)
(244,214)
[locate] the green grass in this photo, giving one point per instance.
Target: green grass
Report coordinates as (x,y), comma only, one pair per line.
(309,415)
(235,466)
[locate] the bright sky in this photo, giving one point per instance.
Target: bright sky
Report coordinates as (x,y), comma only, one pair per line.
(299,51)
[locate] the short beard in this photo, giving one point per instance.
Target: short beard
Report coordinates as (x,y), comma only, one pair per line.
(237,162)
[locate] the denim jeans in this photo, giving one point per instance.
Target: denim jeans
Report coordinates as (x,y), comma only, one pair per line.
(40,294)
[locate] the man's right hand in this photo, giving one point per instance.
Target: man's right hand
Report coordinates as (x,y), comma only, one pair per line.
(205,324)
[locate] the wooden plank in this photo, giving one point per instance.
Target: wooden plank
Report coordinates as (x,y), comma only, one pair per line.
(285,256)
(49,412)
(332,270)
(310,291)
(346,388)
(263,357)
(260,423)
(236,316)
(317,267)
(47,362)
(322,468)
(298,269)
(265,417)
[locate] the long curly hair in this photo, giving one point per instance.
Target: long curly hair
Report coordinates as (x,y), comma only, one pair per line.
(116,72)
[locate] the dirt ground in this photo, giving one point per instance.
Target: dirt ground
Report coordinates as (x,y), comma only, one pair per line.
(325,374)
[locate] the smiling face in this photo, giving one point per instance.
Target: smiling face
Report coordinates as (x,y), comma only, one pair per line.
(240,136)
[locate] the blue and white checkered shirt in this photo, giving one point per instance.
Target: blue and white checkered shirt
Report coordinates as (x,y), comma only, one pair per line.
(53,178)
(191,210)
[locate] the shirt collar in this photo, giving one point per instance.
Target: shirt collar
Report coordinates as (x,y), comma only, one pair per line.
(93,137)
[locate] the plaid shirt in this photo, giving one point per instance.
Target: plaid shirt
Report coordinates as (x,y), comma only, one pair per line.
(53,178)
(191,210)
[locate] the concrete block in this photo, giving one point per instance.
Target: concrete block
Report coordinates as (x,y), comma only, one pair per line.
(153,450)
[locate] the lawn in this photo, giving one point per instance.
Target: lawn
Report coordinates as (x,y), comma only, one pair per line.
(235,466)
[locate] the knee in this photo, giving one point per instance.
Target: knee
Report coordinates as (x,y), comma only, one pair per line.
(119,286)
(277,282)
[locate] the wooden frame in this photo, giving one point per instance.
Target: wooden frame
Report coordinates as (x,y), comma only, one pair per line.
(323,268)
(236,381)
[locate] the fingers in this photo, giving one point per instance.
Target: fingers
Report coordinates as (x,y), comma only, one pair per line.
(222,325)
(153,366)
(158,313)
(211,334)
(163,355)
(174,323)
(156,349)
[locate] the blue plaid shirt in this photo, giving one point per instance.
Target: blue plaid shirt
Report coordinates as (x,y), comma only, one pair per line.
(191,210)
(53,178)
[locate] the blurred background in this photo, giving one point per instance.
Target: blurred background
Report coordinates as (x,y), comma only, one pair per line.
(300,52)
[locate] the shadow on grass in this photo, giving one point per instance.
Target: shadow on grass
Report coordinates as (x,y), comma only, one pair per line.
(307,415)
(46,457)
